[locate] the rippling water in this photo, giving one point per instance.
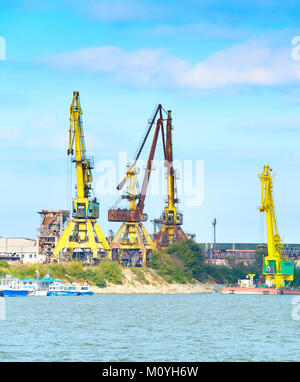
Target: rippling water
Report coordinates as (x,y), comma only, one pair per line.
(150,328)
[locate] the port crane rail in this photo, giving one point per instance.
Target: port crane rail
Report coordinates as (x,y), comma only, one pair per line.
(83,231)
(132,235)
(277,267)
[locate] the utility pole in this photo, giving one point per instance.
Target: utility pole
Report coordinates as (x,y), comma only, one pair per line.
(214,223)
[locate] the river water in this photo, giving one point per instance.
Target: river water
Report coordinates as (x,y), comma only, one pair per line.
(201,327)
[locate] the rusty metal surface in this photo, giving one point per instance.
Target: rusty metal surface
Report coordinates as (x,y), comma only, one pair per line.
(123,215)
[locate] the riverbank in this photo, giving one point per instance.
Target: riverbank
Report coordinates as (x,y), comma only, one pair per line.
(140,281)
(110,278)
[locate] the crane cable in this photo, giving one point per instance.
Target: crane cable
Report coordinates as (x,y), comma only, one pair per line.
(261,233)
(69,183)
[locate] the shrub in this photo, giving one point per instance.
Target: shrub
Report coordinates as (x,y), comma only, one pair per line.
(110,271)
(191,255)
(4,264)
(140,275)
(56,271)
(163,263)
(75,270)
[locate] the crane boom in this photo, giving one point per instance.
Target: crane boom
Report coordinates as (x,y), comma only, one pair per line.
(84,176)
(137,214)
(151,123)
(276,266)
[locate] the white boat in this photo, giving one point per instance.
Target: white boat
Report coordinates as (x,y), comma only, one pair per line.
(58,288)
(12,287)
(37,287)
(72,288)
(85,290)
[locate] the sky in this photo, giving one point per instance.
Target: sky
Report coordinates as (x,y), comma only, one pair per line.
(229,71)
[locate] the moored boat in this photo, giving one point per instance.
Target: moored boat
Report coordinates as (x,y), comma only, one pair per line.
(14,292)
(85,290)
(57,288)
(250,290)
(37,287)
(12,287)
(290,291)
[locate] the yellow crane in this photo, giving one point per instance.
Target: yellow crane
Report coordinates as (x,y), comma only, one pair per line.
(83,231)
(172,219)
(132,237)
(277,267)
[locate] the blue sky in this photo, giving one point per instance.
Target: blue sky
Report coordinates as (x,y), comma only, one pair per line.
(224,69)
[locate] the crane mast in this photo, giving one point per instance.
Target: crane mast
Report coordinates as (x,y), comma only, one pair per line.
(277,268)
(82,232)
(172,220)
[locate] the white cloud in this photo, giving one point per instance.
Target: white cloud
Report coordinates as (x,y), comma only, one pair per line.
(118,10)
(201,30)
(250,63)
(43,132)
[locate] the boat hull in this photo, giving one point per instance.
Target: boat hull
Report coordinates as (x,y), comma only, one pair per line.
(38,293)
(61,293)
(85,293)
(240,290)
(13,293)
(290,291)
(266,291)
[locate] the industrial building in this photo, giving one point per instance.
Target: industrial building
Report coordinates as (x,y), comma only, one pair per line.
(20,249)
(245,252)
(51,228)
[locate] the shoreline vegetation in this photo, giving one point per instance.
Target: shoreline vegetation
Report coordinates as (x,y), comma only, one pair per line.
(181,268)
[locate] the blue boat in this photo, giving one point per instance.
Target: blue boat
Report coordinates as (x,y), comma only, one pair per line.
(58,289)
(85,290)
(12,287)
(11,292)
(37,287)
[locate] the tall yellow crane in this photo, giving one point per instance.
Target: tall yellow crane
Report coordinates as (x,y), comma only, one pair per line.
(83,231)
(172,219)
(277,267)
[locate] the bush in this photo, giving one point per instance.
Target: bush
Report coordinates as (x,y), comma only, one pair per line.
(4,264)
(56,271)
(190,255)
(96,277)
(110,271)
(185,261)
(75,270)
(140,275)
(163,263)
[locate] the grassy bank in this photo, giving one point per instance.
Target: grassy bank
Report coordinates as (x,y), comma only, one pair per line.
(182,263)
(100,275)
